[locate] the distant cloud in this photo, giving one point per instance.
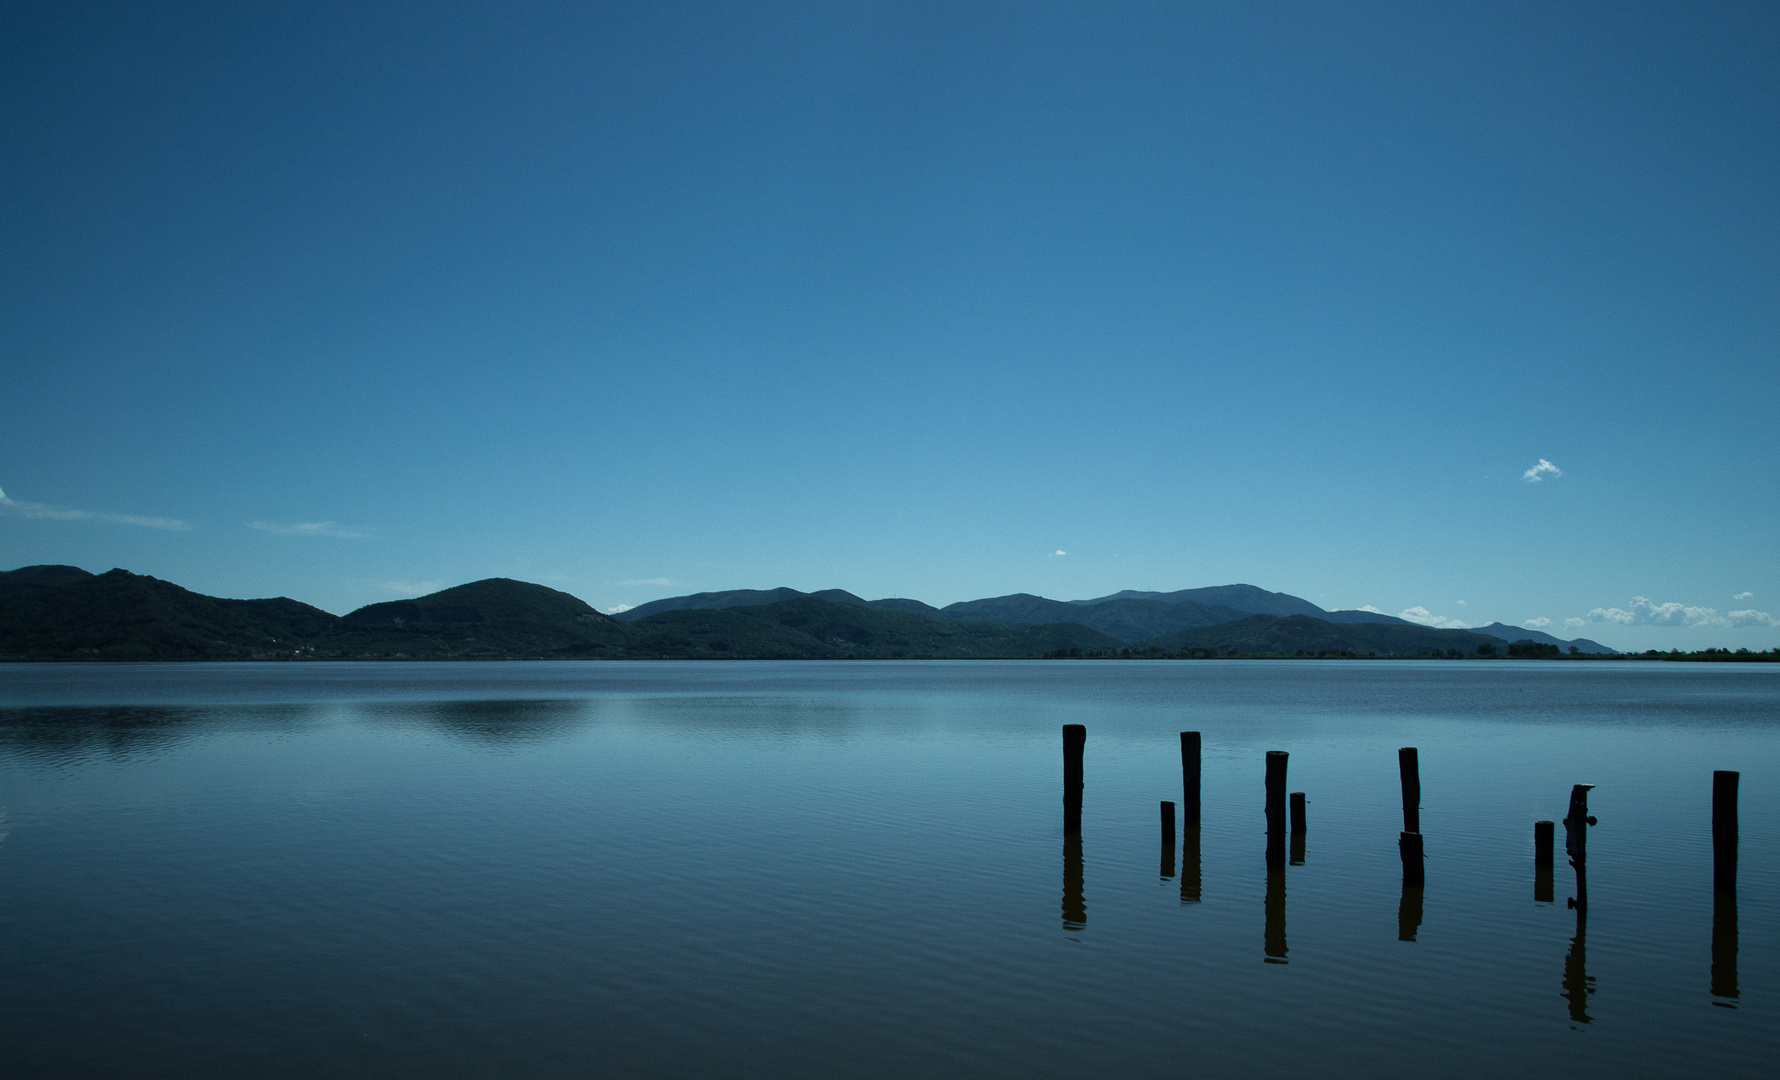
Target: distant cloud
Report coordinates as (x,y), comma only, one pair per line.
(1369,607)
(1573,622)
(42,512)
(1644,612)
(1422,615)
(1744,596)
(309,528)
(619,608)
(1461,603)
(1538,624)
(1058,552)
(649,581)
(413,588)
(1540,471)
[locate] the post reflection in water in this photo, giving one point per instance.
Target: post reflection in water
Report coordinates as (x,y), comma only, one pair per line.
(1409,911)
(1274,935)
(1075,908)
(1578,984)
(1189,864)
(1543,887)
(1168,862)
(1297,853)
(1724,948)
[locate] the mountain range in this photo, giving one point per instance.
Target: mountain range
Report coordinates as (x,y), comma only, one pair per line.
(66,613)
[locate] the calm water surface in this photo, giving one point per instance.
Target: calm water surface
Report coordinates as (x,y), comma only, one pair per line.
(813,869)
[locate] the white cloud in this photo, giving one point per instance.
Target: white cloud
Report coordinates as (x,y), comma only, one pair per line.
(1461,603)
(1573,622)
(1373,610)
(42,512)
(413,588)
(309,528)
(1538,624)
(1744,596)
(1422,615)
(1540,471)
(1645,612)
(619,608)
(649,581)
(1058,552)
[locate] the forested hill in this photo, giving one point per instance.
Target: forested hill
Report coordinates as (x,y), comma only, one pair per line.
(66,613)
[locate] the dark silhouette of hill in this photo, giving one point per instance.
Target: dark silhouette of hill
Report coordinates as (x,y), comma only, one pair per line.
(65,613)
(808,627)
(1292,634)
(709,601)
(495,617)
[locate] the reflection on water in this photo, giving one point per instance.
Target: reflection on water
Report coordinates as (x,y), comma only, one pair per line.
(1168,862)
(1409,910)
(1297,852)
(1273,937)
(1579,985)
(493,725)
(1189,863)
(58,735)
(1544,887)
(1724,948)
(1075,906)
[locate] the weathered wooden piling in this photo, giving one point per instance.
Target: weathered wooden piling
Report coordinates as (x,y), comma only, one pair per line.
(1276,806)
(1075,737)
(1409,846)
(1410,771)
(1075,906)
(1168,823)
(1189,778)
(1724,831)
(1576,824)
(1297,811)
(1409,910)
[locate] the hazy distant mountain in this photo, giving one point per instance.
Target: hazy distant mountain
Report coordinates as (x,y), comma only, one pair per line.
(1293,634)
(1520,633)
(1246,598)
(709,601)
(1129,620)
(1354,616)
(495,617)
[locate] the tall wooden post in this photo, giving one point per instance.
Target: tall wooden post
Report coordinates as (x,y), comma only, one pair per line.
(1168,824)
(1276,806)
(1075,737)
(1189,778)
(1724,831)
(1576,824)
(1409,769)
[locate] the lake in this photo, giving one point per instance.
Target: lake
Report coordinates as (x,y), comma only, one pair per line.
(860,869)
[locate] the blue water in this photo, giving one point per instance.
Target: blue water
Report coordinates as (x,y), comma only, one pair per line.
(820,869)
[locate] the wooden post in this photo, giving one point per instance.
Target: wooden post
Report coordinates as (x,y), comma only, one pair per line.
(1576,824)
(1724,947)
(1409,845)
(1276,806)
(1409,910)
(1168,824)
(1297,811)
(1189,778)
(1075,907)
(1724,831)
(1189,864)
(1075,737)
(1410,771)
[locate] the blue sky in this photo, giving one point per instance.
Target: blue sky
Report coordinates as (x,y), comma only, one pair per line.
(948,300)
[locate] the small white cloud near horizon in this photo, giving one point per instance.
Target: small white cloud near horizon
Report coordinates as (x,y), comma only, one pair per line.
(619,608)
(413,588)
(1645,612)
(1422,615)
(1369,607)
(1541,471)
(649,581)
(1538,624)
(309,528)
(1056,553)
(1744,596)
(1461,603)
(43,512)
